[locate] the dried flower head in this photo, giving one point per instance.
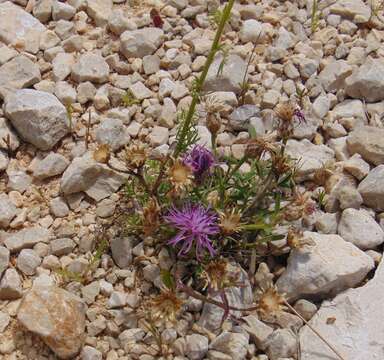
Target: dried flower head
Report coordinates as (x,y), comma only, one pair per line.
(195,225)
(281,163)
(102,154)
(301,205)
(200,160)
(217,275)
(213,198)
(180,176)
(230,222)
(257,147)
(297,240)
(136,155)
(288,113)
(269,302)
(151,214)
(165,307)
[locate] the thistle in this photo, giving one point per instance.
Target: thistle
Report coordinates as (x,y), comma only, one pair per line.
(102,154)
(136,155)
(217,275)
(195,225)
(200,160)
(151,217)
(269,302)
(230,222)
(165,307)
(180,176)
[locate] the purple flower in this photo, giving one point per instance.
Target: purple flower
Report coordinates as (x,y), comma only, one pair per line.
(200,160)
(195,224)
(299,115)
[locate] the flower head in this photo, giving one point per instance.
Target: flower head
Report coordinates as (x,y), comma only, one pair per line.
(195,224)
(165,307)
(269,302)
(200,160)
(219,275)
(180,176)
(230,222)
(136,155)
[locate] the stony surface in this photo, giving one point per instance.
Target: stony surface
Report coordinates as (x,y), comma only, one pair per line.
(76,75)
(57,316)
(38,117)
(332,265)
(357,331)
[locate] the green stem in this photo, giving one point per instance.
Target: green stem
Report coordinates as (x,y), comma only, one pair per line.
(200,82)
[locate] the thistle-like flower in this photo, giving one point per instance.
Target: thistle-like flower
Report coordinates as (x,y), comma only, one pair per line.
(136,155)
(288,113)
(269,302)
(195,224)
(180,176)
(296,239)
(200,160)
(151,217)
(230,222)
(165,307)
(217,275)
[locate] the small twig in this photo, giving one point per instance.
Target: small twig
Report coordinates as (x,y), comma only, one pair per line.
(315,331)
(87,132)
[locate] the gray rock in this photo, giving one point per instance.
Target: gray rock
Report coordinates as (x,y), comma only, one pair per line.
(57,316)
(62,246)
(142,42)
(62,11)
(372,189)
(4,160)
(333,76)
(358,327)
(7,211)
(231,77)
(367,81)
(329,266)
(58,207)
(4,259)
(90,353)
(117,299)
(310,157)
(258,331)
(52,165)
(359,228)
(356,166)
(305,308)
(18,179)
(85,174)
(349,109)
(90,67)
(121,248)
(368,142)
(281,343)
(18,73)
(232,344)
(113,133)
(90,292)
(251,30)
(355,10)
(38,117)
(26,238)
(240,117)
(196,346)
(27,261)
(10,285)
(99,11)
(17,26)
(65,92)
(118,22)
(62,66)
(43,10)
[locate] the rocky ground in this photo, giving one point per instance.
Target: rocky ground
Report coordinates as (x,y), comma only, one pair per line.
(75,74)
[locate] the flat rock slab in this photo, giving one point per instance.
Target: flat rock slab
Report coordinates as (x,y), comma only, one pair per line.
(328,267)
(39,117)
(353,323)
(57,316)
(17,26)
(18,73)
